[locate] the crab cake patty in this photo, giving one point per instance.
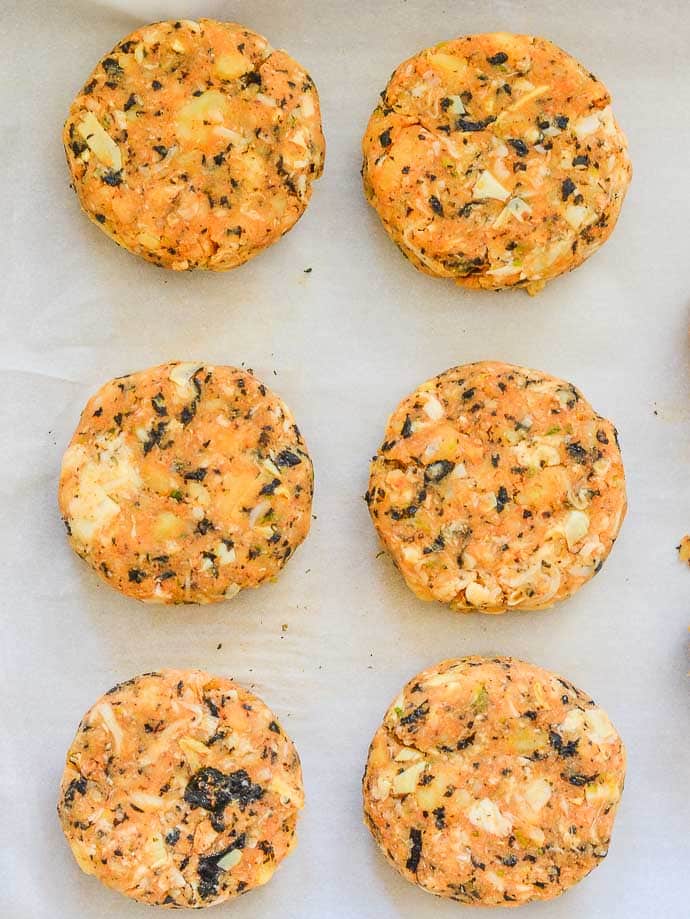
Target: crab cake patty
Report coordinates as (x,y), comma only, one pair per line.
(493,782)
(497,487)
(194,144)
(495,160)
(181,789)
(185,483)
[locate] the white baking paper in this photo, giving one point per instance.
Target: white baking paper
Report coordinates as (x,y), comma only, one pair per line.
(342,345)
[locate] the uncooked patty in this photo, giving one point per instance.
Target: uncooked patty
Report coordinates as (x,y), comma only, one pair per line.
(185,483)
(495,160)
(180,789)
(194,144)
(493,782)
(497,487)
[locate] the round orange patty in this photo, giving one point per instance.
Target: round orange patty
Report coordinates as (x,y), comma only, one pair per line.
(185,483)
(495,160)
(493,782)
(194,144)
(180,789)
(497,487)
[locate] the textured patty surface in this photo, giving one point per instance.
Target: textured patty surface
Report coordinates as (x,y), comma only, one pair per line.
(495,160)
(180,789)
(497,487)
(493,782)
(194,144)
(185,483)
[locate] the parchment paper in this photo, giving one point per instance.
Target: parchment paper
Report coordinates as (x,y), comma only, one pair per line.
(342,345)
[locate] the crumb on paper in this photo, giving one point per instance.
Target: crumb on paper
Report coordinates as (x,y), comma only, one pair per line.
(284,627)
(684,549)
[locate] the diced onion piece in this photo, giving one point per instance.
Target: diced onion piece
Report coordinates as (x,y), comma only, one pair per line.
(577,214)
(195,118)
(280,787)
(504,271)
(405,782)
(100,142)
(147,802)
(225,556)
(599,727)
(488,186)
(239,140)
(229,860)
(495,880)
(257,512)
(575,528)
(456,105)
(168,526)
(445,679)
(111,723)
(193,751)
(534,454)
(486,816)
(232,65)
(602,791)
(517,208)
(448,63)
(181,374)
(433,408)
(586,126)
(523,100)
(149,241)
(156,852)
(478,595)
(537,794)
(307,105)
(573,721)
(380,789)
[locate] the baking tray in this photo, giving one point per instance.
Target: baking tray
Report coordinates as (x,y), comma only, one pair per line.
(331,643)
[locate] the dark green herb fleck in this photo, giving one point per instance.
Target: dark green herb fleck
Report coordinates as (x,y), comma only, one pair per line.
(567,188)
(287,458)
(436,205)
(412,862)
(519,146)
(434,472)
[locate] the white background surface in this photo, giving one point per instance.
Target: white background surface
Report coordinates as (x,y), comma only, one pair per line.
(345,342)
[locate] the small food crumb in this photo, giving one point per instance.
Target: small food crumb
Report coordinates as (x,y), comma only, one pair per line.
(307,270)
(284,627)
(219,646)
(684,549)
